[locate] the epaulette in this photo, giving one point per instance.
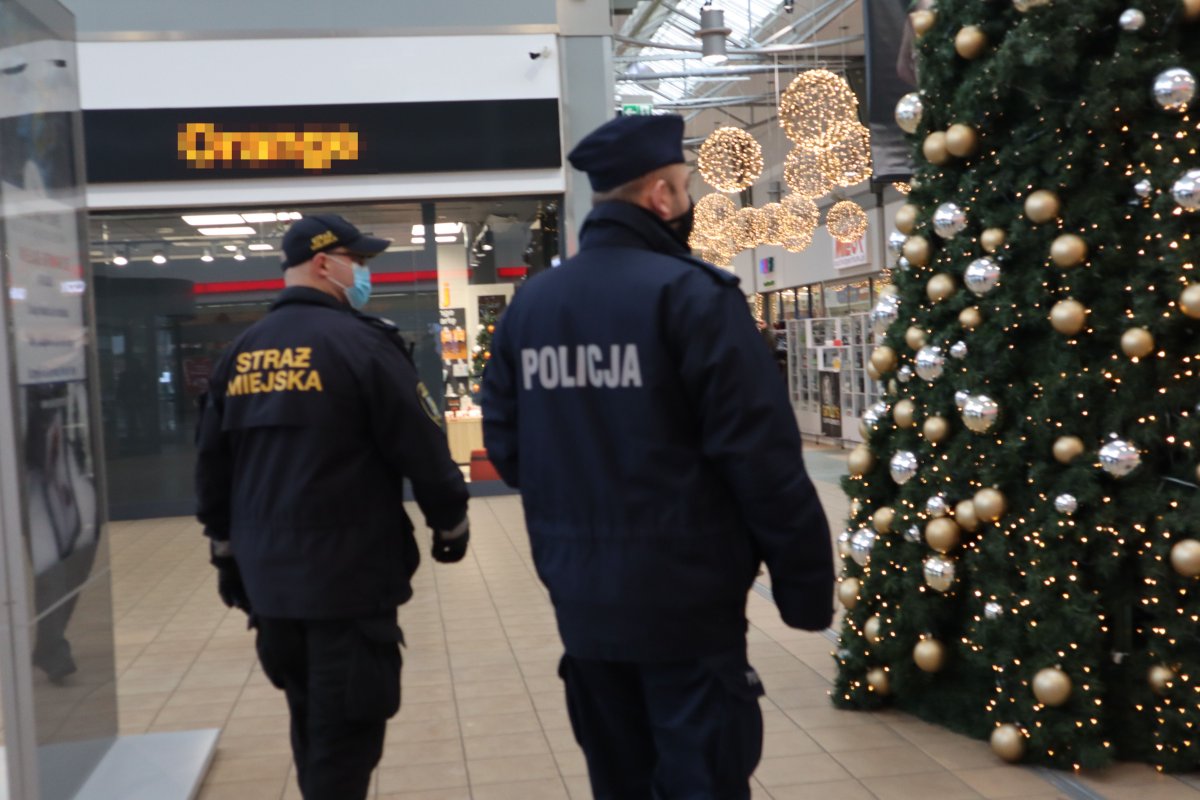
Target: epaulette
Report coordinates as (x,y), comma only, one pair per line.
(720,275)
(389,329)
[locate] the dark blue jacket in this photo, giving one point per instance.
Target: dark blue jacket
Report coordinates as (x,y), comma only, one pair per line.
(314,418)
(630,398)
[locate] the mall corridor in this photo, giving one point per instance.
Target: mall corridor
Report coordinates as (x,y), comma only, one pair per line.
(483,716)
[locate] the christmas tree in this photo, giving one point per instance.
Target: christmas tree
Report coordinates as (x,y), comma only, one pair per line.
(1022,551)
(483,348)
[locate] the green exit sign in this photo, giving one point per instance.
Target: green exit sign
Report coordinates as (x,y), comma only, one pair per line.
(637,109)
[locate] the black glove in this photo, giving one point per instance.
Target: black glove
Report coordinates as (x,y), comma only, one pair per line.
(229,578)
(450,546)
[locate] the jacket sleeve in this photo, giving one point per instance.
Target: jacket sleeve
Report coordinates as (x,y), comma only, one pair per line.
(749,432)
(214,465)
(499,401)
(407,426)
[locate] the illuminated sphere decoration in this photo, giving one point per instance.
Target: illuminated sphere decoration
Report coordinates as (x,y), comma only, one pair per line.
(846,221)
(918,250)
(982,275)
(817,109)
(970,318)
(730,160)
(748,227)
(776,218)
(804,210)
(884,358)
(713,211)
(802,173)
(848,160)
(980,413)
(931,363)
(799,242)
(873,629)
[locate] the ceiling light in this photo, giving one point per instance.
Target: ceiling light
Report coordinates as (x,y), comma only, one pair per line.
(446,239)
(238,230)
(231,248)
(213,219)
(262,246)
(418,230)
(712,35)
(418,240)
(238,255)
(207,257)
(447,228)
(159,258)
(487,247)
(294,215)
(266,216)
(283,216)
(120,259)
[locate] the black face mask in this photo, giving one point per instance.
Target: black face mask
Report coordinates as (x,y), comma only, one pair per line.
(681,226)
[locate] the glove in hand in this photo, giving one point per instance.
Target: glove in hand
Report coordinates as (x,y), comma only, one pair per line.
(451,546)
(229,583)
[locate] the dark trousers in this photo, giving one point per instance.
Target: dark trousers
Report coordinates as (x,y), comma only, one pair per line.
(342,681)
(689,730)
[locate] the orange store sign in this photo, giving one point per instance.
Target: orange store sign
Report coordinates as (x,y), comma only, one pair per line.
(205,145)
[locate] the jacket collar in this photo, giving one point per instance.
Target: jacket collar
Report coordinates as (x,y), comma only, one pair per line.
(305,295)
(620,224)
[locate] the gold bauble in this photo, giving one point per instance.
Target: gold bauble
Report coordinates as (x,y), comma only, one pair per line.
(1191,9)
(970,318)
(1067,449)
(1068,251)
(965,516)
(884,359)
(877,679)
(961,140)
(970,42)
(943,534)
(1009,743)
(904,413)
(915,337)
(1051,686)
(934,148)
(883,518)
(990,504)
(922,21)
(1189,301)
(860,461)
(935,429)
(1160,678)
(873,373)
(1042,206)
(872,629)
(1137,343)
(940,287)
(930,655)
(906,218)
(1068,316)
(847,592)
(992,239)
(917,250)
(1185,558)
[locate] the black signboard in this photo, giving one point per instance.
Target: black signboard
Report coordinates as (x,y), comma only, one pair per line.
(132,145)
(889,77)
(831,403)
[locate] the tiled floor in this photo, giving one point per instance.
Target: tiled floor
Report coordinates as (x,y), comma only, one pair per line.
(483,714)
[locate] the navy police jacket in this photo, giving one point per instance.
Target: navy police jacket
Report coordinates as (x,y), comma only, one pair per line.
(630,398)
(314,418)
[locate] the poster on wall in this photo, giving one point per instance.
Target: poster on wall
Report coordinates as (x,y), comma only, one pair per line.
(850,254)
(456,355)
(831,403)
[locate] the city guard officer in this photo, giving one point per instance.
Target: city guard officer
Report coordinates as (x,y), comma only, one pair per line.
(313,420)
(630,399)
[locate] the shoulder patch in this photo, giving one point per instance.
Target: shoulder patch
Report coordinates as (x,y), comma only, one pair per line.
(720,275)
(430,407)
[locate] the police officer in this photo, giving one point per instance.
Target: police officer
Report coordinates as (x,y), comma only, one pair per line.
(630,399)
(315,416)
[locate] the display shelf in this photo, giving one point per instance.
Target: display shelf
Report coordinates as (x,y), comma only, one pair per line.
(839,345)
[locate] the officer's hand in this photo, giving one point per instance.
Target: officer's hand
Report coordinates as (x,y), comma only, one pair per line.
(450,546)
(229,579)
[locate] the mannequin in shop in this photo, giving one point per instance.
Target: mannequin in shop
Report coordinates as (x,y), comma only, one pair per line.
(630,398)
(314,420)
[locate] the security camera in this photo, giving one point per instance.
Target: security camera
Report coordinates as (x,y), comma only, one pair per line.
(534,55)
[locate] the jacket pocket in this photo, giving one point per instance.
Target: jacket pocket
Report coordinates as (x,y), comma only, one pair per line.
(373,683)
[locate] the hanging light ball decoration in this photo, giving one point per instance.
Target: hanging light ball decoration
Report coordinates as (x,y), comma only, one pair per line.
(939,573)
(730,159)
(992,239)
(1042,206)
(807,215)
(802,173)
(817,109)
(1119,458)
(1132,20)
(980,413)
(970,42)
(712,212)
(748,227)
(1186,190)
(847,161)
(1068,316)
(909,111)
(846,221)
(931,363)
(1175,89)
(929,655)
(949,220)
(1052,686)
(798,243)
(1068,250)
(961,140)
(1008,742)
(776,218)
(1185,558)
(981,276)
(903,466)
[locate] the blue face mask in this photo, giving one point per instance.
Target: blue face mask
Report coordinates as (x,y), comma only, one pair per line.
(358,293)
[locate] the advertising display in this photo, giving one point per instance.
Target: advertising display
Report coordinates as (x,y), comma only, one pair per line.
(890,76)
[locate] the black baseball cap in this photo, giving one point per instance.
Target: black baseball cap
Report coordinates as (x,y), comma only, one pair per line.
(308,236)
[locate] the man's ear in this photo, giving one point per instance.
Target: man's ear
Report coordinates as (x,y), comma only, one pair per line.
(660,197)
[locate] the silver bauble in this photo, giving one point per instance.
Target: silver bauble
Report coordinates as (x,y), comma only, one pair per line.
(939,572)
(1119,458)
(981,276)
(992,609)
(1132,20)
(903,466)
(860,546)
(961,397)
(958,350)
(874,414)
(903,264)
(1143,188)
(843,544)
(913,534)
(904,374)
(1174,89)
(980,413)
(1066,504)
(931,363)
(896,241)
(948,220)
(1186,190)
(885,312)
(937,506)
(909,111)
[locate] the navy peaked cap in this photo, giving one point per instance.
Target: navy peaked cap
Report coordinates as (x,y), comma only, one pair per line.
(628,147)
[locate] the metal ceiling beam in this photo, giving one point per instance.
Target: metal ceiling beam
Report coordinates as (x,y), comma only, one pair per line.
(845,5)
